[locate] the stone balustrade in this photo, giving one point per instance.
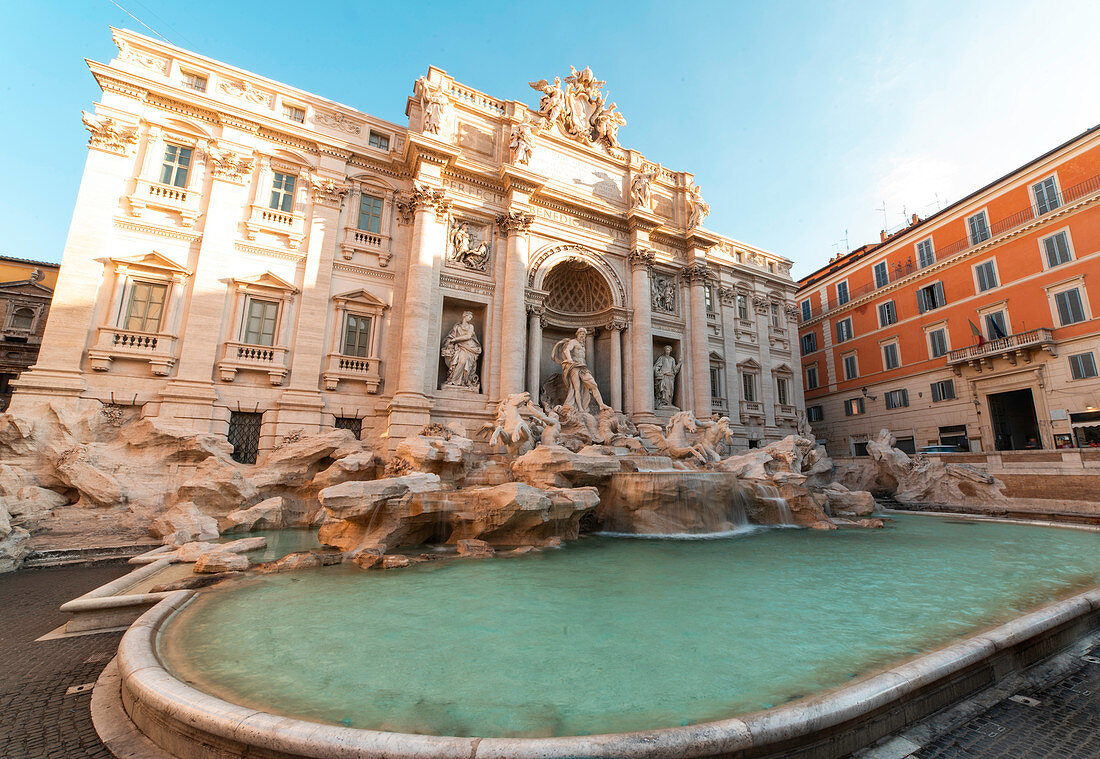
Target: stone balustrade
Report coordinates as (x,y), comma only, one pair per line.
(273,221)
(111,343)
(165,197)
(239,356)
(353,368)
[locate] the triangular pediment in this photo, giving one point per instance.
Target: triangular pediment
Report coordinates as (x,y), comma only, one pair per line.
(749,363)
(151,260)
(361,297)
(267,279)
(782,369)
(27,287)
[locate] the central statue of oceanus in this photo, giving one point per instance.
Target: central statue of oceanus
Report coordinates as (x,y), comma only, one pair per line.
(581,385)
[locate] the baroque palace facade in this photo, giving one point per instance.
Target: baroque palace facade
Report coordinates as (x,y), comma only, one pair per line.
(973,328)
(253,260)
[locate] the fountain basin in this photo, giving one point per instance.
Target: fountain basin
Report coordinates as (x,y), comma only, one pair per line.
(836,722)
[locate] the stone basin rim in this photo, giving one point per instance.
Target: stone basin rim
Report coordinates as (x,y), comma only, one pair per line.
(180,709)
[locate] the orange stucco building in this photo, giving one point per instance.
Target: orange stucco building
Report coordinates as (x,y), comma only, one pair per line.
(972,328)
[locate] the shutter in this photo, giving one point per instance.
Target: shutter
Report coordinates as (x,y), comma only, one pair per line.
(1076,367)
(941,300)
(1063,308)
(1052,256)
(921,305)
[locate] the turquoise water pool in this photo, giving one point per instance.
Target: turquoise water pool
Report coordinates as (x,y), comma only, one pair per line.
(279,542)
(615,634)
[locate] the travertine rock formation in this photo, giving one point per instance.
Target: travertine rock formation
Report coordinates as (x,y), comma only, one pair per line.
(556,466)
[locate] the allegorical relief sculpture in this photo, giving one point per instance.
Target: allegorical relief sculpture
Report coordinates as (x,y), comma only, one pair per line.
(580,383)
(579,110)
(641,194)
(699,209)
(663,293)
(665,369)
(522,142)
(466,248)
(461,350)
(433,103)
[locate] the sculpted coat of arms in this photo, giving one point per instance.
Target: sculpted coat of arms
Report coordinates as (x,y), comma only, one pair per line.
(579,109)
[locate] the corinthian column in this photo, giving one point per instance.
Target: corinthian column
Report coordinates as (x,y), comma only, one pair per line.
(696,274)
(513,226)
(615,328)
(641,369)
(534,350)
(427,208)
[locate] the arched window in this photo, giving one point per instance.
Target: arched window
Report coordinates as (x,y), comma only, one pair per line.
(22,318)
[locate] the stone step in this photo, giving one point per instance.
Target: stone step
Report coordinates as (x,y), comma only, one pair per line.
(59,557)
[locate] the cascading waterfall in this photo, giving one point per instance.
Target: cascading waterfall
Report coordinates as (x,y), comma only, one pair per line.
(769,496)
(674,504)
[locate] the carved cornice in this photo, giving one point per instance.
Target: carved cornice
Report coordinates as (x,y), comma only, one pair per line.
(363,271)
(256,250)
(110,84)
(360,161)
(237,122)
(148,229)
(727,295)
(451,282)
(152,62)
(791,310)
(327,191)
(580,212)
(760,304)
(243,90)
(109,135)
(338,121)
(288,139)
(642,258)
(514,222)
(186,109)
(228,165)
(616,324)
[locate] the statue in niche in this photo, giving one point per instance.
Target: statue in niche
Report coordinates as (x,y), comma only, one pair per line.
(467,249)
(699,207)
(522,142)
(641,194)
(665,369)
(461,349)
(582,389)
(664,294)
(433,103)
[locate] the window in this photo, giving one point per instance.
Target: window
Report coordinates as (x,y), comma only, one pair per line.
(986,273)
(244,435)
(809,343)
(887,313)
(1046,195)
(294,113)
(815,413)
(943,391)
(853,407)
(882,277)
(851,370)
(925,255)
(717,386)
(841,293)
(377,140)
(196,82)
(775,316)
(844,330)
(811,377)
(1057,250)
(748,385)
(897,398)
(1082,366)
(282,192)
(782,391)
(996,326)
(1070,308)
(743,307)
(937,339)
(357,335)
(931,297)
(145,307)
(350,423)
(978,228)
(370,214)
(260,319)
(708,299)
(805,310)
(890,358)
(177,160)
(21,318)
(771,266)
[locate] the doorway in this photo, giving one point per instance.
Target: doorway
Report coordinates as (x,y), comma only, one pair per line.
(1015,426)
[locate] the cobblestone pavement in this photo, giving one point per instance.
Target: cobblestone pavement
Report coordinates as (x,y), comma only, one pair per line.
(37,718)
(1064,724)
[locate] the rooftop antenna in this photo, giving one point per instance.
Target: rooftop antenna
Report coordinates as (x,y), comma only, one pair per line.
(135,18)
(885,222)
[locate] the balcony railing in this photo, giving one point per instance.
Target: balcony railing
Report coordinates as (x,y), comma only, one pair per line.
(752,409)
(1008,347)
(238,356)
(166,198)
(784,411)
(1008,223)
(352,368)
(157,348)
(273,221)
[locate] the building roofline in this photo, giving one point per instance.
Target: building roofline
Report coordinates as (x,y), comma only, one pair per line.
(29,261)
(867,249)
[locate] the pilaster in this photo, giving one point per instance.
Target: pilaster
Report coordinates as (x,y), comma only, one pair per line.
(514,226)
(641,364)
(697,275)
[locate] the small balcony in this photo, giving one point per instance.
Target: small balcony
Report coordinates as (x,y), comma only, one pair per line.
(290,226)
(353,369)
(751,410)
(254,358)
(165,197)
(1011,348)
(719,405)
(785,412)
(112,343)
(367,242)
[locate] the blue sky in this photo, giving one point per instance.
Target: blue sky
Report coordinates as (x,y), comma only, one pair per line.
(799,120)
